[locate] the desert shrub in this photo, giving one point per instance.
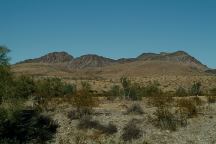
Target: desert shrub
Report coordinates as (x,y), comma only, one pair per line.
(161,100)
(135,109)
(114,92)
(86,122)
(84,97)
(79,113)
(197,101)
(24,87)
(196,89)
(135,92)
(109,129)
(50,87)
(6,79)
(211,99)
(187,106)
(126,84)
(69,89)
(167,120)
(131,131)
(26,126)
(152,89)
(181,92)
(213,92)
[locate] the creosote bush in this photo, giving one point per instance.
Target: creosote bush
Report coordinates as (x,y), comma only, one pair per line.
(84,97)
(211,99)
(131,131)
(187,106)
(135,91)
(24,86)
(196,89)
(86,122)
(135,109)
(160,100)
(181,92)
(79,113)
(169,121)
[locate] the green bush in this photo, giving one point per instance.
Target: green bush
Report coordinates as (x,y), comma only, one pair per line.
(24,87)
(126,84)
(26,126)
(114,92)
(152,89)
(196,89)
(50,87)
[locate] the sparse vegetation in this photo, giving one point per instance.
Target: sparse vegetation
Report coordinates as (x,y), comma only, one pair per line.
(181,92)
(211,99)
(167,120)
(84,97)
(131,131)
(26,126)
(79,113)
(135,109)
(19,124)
(188,107)
(196,89)
(86,122)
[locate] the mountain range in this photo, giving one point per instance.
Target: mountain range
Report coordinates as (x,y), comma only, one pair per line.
(178,62)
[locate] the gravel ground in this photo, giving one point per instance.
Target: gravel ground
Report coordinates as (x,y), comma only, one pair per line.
(200,129)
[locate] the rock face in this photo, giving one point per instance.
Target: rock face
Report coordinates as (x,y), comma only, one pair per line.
(90,60)
(55,57)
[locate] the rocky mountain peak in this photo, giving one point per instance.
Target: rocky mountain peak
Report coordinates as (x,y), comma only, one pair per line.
(54,57)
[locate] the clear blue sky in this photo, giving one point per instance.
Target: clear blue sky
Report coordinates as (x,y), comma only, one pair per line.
(112,28)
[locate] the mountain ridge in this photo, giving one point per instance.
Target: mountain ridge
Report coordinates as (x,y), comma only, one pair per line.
(93,60)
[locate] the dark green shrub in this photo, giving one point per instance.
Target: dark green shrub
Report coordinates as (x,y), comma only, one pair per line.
(126,84)
(6,79)
(196,89)
(50,87)
(69,89)
(24,87)
(27,126)
(131,131)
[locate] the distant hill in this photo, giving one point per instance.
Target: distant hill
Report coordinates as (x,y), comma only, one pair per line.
(211,71)
(176,63)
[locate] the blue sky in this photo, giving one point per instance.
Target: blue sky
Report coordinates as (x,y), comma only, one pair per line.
(112,28)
